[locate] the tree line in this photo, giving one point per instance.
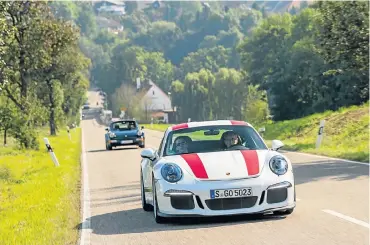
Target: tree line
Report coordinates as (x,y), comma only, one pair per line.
(241,61)
(43,73)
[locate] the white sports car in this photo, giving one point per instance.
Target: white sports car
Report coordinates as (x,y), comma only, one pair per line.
(215,168)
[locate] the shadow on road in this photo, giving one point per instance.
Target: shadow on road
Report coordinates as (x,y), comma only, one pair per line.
(335,170)
(139,221)
(114,149)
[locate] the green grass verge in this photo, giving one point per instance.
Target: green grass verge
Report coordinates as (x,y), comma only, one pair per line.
(158,127)
(346,133)
(40,203)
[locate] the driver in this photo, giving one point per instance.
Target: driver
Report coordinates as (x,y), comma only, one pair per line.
(181,144)
(231,140)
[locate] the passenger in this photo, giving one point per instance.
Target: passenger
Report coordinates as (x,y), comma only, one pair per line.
(181,144)
(231,140)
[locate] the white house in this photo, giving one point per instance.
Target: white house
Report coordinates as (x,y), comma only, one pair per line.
(156,103)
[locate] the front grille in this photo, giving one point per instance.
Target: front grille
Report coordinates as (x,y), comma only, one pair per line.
(126,138)
(277,195)
(231,203)
(182,202)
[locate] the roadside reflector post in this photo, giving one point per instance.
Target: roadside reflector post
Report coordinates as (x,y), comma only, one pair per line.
(69,133)
(51,152)
(320,134)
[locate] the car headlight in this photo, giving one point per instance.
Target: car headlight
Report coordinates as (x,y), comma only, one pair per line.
(171,172)
(278,165)
(112,135)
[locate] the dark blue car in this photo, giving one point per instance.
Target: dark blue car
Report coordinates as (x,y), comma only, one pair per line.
(124,132)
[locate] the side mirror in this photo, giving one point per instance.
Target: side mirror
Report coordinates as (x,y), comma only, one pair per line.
(149,154)
(276,145)
(107,129)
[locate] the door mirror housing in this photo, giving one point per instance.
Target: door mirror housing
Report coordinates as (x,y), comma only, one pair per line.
(276,145)
(149,154)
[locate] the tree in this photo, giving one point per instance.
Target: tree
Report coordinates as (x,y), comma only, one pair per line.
(230,93)
(211,59)
(24,55)
(126,96)
(6,117)
(65,61)
(344,42)
(158,69)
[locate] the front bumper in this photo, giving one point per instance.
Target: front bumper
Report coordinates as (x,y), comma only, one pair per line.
(177,200)
(123,142)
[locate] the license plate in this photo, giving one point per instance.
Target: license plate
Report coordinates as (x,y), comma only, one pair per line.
(231,193)
(127,141)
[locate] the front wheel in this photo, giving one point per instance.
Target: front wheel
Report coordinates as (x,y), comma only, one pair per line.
(158,219)
(142,145)
(145,206)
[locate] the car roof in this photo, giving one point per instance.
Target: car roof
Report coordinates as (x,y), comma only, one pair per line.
(207,123)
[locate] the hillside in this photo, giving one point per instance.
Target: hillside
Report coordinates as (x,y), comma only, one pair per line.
(254,55)
(346,133)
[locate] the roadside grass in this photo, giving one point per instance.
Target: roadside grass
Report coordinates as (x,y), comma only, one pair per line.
(346,133)
(40,203)
(157,127)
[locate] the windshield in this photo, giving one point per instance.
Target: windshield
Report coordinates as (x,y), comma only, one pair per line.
(213,139)
(123,125)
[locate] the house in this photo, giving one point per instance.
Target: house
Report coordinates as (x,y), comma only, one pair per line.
(156,104)
(112,7)
(108,24)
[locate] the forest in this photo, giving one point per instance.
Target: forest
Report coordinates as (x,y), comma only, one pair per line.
(254,61)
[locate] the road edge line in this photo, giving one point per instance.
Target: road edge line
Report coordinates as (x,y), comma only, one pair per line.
(85,200)
(326,157)
(348,218)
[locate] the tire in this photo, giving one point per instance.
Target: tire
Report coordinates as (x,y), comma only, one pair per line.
(145,206)
(143,145)
(158,219)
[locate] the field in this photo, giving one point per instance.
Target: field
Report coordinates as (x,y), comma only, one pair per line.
(346,133)
(40,203)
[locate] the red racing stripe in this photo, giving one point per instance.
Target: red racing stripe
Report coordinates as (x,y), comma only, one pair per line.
(233,122)
(180,126)
(196,165)
(251,161)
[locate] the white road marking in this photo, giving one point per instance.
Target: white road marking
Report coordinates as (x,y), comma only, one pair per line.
(327,158)
(86,225)
(345,217)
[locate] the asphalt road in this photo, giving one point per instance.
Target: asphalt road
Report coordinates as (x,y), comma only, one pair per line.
(332,203)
